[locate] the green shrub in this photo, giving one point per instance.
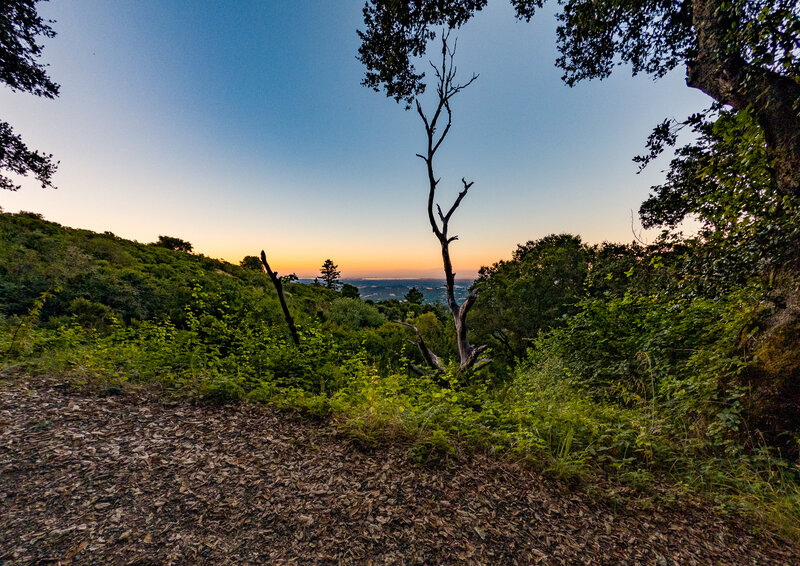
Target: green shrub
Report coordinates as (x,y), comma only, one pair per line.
(355,313)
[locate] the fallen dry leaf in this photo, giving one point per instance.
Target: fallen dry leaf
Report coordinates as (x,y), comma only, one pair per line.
(138,479)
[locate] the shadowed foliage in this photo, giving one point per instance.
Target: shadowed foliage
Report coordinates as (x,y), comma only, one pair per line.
(21,29)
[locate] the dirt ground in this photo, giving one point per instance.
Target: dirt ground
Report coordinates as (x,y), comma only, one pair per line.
(138,478)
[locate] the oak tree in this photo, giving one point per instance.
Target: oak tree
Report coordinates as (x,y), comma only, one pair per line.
(175,244)
(251,262)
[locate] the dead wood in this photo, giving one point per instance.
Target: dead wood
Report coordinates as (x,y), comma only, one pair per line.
(279,288)
(446,89)
(433,361)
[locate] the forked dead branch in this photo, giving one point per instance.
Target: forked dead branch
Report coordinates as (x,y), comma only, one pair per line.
(446,89)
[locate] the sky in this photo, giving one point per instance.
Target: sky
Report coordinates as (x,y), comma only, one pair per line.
(242,126)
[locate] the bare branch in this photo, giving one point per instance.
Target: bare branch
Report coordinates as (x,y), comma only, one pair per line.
(439,208)
(430,358)
(458,88)
(481,364)
(501,337)
(424,118)
(446,88)
(479,349)
(416,369)
(444,133)
(460,197)
(279,289)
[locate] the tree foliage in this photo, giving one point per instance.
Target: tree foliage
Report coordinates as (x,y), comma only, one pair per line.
(21,29)
(350,291)
(355,313)
(742,53)
(251,262)
(17,158)
(530,293)
(330,274)
(724,181)
(414,296)
(172,243)
(20,49)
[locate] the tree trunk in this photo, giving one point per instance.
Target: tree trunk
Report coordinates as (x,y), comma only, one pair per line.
(773,99)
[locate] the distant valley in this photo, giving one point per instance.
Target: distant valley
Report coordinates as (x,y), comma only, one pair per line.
(385,289)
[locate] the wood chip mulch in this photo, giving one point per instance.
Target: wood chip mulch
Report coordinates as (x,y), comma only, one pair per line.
(141,479)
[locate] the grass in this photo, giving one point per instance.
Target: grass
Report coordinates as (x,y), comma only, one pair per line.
(542,418)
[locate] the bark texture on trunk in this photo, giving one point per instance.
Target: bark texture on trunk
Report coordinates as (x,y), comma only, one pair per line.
(726,76)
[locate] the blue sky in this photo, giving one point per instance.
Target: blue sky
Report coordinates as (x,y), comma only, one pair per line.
(242,125)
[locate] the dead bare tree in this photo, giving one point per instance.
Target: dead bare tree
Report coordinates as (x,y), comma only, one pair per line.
(430,358)
(446,89)
(279,288)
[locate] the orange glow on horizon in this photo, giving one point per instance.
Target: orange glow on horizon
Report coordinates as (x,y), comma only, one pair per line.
(401,264)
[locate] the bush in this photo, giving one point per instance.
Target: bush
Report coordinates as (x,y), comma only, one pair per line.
(355,314)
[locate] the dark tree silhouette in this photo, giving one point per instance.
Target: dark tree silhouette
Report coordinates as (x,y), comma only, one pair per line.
(175,244)
(743,53)
(350,291)
(442,117)
(330,274)
(251,262)
(20,30)
(414,296)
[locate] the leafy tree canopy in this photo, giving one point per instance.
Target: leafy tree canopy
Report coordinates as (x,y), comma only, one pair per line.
(529,293)
(350,291)
(251,262)
(21,29)
(20,49)
(414,296)
(175,244)
(742,53)
(724,181)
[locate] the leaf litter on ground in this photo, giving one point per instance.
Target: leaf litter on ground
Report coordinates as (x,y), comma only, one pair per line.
(138,478)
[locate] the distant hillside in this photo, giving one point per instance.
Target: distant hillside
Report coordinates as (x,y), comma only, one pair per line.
(99,275)
(388,289)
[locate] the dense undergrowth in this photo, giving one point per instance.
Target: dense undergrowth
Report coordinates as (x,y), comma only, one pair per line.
(633,375)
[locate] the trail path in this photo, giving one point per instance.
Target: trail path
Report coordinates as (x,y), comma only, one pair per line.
(139,479)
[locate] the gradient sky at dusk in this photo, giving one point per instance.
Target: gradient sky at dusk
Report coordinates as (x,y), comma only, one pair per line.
(242,125)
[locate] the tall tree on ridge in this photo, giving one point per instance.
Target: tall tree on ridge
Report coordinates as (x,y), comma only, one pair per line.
(330,274)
